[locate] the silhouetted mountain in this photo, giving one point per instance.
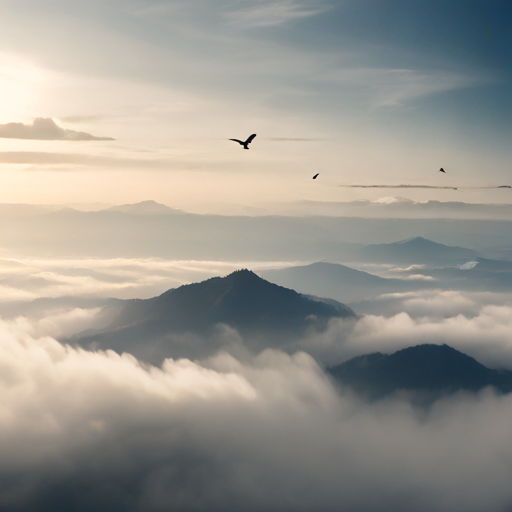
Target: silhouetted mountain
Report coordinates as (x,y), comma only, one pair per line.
(145,208)
(414,250)
(431,370)
(266,315)
(337,281)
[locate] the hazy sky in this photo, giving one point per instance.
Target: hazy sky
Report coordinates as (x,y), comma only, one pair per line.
(361,91)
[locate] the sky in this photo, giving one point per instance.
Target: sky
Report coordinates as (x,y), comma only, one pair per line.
(107,102)
(125,101)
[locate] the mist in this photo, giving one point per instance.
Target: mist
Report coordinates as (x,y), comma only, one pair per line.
(84,430)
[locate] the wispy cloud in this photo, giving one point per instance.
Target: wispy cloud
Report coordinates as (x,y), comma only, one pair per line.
(39,158)
(394,186)
(44,129)
(398,87)
(273,13)
(292,139)
(421,186)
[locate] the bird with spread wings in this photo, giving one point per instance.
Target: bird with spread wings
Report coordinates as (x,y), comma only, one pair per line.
(245,143)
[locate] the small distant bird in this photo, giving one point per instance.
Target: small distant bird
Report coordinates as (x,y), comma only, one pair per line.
(442,170)
(314,177)
(248,141)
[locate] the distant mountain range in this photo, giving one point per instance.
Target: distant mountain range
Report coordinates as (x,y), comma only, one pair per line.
(175,323)
(149,229)
(337,281)
(415,250)
(399,207)
(430,371)
(351,286)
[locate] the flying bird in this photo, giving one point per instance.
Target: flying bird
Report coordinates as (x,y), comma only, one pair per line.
(442,170)
(248,141)
(314,177)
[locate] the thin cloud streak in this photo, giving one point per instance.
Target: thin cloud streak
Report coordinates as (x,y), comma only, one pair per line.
(79,159)
(273,13)
(398,87)
(292,139)
(420,186)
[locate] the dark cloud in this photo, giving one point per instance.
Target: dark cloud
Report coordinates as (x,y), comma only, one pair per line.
(44,129)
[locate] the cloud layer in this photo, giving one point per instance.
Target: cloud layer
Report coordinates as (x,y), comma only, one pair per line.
(44,129)
(82,430)
(478,324)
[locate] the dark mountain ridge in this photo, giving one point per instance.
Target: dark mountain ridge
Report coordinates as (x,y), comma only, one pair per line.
(433,370)
(262,312)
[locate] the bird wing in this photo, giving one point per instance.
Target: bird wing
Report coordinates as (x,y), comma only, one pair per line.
(239,141)
(249,139)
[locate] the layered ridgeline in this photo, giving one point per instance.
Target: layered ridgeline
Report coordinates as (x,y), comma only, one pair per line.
(429,371)
(337,281)
(184,322)
(149,229)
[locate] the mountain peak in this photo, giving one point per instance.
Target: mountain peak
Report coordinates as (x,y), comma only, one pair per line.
(265,314)
(148,207)
(243,275)
(414,250)
(432,369)
(415,239)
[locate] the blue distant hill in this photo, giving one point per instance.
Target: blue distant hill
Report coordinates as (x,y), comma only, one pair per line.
(414,250)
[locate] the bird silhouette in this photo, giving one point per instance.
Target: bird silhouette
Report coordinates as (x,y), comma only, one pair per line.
(248,141)
(314,177)
(442,170)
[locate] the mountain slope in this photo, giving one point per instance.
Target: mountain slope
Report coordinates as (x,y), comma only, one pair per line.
(434,370)
(266,315)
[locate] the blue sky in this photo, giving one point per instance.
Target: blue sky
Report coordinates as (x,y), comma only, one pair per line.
(376,91)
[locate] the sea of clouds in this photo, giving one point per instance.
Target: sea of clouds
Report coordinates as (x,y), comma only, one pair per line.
(85,430)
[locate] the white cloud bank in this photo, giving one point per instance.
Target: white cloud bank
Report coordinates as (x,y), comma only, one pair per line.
(98,431)
(483,331)
(44,129)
